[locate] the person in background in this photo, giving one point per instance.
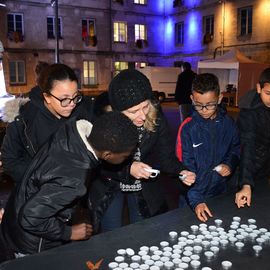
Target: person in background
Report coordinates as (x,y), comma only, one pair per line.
(253,122)
(38,215)
(183,91)
(38,71)
(31,123)
(130,92)
(208,144)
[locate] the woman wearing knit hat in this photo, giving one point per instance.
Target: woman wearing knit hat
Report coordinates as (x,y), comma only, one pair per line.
(131,93)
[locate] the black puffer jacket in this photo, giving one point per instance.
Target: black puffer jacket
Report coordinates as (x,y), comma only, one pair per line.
(30,126)
(254,125)
(158,144)
(38,212)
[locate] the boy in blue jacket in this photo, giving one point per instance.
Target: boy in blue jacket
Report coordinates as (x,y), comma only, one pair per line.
(208,144)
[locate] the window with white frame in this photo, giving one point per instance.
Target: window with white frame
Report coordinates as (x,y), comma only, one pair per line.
(140,32)
(179,33)
(51,27)
(140,2)
(15,27)
(245,20)
(120,32)
(17,72)
(118,66)
(89,73)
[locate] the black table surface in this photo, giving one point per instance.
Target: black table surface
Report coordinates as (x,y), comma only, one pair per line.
(152,231)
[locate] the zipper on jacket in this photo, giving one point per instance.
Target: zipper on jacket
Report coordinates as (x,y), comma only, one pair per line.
(40,244)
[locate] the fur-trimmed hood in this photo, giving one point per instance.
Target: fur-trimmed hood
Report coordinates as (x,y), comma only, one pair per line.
(12,109)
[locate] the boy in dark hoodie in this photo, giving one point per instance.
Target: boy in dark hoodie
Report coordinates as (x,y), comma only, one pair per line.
(254,125)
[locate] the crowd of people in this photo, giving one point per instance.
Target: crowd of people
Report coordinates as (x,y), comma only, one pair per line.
(65,151)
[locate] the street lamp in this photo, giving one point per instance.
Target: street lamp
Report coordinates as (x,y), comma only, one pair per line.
(54,3)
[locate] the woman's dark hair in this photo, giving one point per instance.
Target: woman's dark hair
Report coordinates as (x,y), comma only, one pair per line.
(205,82)
(264,77)
(55,72)
(115,132)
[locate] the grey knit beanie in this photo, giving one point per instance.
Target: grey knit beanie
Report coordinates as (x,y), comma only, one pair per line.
(129,88)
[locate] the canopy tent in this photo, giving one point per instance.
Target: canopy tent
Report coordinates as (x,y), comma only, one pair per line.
(234,68)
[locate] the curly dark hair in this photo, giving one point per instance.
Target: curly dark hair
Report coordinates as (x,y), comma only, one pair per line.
(115,132)
(53,73)
(205,82)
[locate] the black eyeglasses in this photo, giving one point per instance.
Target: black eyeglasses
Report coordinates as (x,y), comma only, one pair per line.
(66,101)
(209,107)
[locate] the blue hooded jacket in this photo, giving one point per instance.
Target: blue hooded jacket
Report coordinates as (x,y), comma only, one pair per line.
(203,144)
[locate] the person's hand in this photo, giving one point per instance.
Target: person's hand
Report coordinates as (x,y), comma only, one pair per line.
(81,231)
(190,177)
(137,170)
(2,210)
(243,197)
(203,212)
(224,170)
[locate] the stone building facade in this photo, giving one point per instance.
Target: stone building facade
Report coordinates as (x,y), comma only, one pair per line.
(97,38)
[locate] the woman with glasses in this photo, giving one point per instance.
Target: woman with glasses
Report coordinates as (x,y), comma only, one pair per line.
(31,123)
(208,144)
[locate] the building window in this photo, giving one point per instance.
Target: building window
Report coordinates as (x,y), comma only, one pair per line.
(120,32)
(245,20)
(118,66)
(17,72)
(15,27)
(179,33)
(89,32)
(140,64)
(140,32)
(140,2)
(51,27)
(208,28)
(89,73)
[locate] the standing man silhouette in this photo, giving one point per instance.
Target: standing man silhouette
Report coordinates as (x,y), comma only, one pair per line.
(183,90)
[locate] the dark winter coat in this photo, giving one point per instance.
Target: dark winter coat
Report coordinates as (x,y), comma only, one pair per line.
(202,144)
(158,144)
(38,213)
(254,125)
(30,126)
(183,87)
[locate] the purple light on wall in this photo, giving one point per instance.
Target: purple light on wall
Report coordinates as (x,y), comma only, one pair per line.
(193,30)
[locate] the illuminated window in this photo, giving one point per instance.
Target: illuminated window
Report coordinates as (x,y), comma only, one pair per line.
(51,27)
(140,64)
(120,32)
(17,72)
(208,24)
(118,66)
(89,32)
(140,2)
(245,20)
(140,32)
(15,27)
(179,33)
(89,73)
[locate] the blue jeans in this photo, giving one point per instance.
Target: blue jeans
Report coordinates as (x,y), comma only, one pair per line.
(112,218)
